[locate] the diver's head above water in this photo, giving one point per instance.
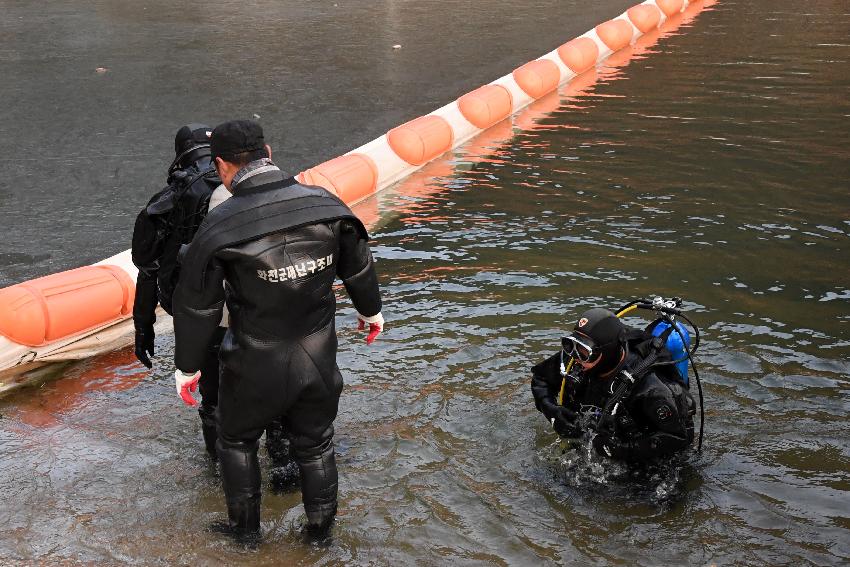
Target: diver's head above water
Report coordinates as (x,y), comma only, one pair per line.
(597,342)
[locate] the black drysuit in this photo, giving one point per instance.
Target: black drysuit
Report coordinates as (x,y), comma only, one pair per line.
(654,419)
(169,220)
(279,250)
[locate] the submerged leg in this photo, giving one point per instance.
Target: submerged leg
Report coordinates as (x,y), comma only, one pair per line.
(208,427)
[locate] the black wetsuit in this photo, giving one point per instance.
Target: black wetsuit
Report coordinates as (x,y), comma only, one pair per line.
(169,220)
(654,419)
(279,250)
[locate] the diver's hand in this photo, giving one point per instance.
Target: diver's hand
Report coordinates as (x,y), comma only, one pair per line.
(185,384)
(144,344)
(564,422)
(609,446)
(376,326)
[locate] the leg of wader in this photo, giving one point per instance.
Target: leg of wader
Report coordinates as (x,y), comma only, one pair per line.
(319,482)
(208,428)
(309,422)
(284,470)
(240,477)
(209,392)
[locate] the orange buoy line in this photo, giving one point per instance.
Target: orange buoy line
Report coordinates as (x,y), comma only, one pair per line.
(86,311)
(404,149)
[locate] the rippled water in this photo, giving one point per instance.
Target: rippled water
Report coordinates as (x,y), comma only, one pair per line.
(711,165)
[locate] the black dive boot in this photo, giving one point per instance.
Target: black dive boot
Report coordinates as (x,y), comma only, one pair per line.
(240,477)
(284,470)
(318,486)
(209,428)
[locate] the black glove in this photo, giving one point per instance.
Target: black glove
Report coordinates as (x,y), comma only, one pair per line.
(608,446)
(144,344)
(565,422)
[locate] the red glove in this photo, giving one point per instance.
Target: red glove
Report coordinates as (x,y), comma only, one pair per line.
(376,326)
(185,384)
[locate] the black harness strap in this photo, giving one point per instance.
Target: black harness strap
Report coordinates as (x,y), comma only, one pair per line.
(629,379)
(165,204)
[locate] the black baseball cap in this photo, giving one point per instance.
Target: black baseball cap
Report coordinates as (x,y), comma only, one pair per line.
(236,137)
(600,325)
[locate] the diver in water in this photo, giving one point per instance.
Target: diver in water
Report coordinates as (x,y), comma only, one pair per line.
(624,384)
(169,220)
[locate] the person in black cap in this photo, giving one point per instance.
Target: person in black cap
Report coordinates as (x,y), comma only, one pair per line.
(278,247)
(617,382)
(170,220)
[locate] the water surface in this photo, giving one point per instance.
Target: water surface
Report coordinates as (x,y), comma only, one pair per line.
(712,165)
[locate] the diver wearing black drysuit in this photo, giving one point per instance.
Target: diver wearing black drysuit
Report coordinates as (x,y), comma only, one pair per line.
(168,221)
(654,416)
(278,247)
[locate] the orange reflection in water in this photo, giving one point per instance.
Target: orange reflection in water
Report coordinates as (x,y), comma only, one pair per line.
(434,273)
(113,372)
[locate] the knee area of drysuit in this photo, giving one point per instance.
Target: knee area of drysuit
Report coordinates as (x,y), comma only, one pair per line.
(240,469)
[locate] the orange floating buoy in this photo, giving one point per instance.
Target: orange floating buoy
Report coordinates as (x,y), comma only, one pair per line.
(616,34)
(645,17)
(486,105)
(579,54)
(421,140)
(350,177)
(538,77)
(670,7)
(61,305)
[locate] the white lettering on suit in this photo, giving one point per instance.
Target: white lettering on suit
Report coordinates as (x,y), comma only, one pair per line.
(296,270)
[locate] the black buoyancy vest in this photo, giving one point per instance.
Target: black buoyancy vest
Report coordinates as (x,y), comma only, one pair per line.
(650,349)
(257,212)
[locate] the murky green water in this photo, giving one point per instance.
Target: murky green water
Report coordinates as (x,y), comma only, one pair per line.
(713,165)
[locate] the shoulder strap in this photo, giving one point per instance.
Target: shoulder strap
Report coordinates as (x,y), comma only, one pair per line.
(166,199)
(629,379)
(187,182)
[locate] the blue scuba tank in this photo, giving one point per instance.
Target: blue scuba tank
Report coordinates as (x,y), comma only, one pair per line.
(675,346)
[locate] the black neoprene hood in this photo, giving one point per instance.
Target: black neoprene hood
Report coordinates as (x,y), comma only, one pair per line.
(606,333)
(191,136)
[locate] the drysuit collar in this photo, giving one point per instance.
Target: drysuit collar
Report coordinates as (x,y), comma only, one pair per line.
(252,169)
